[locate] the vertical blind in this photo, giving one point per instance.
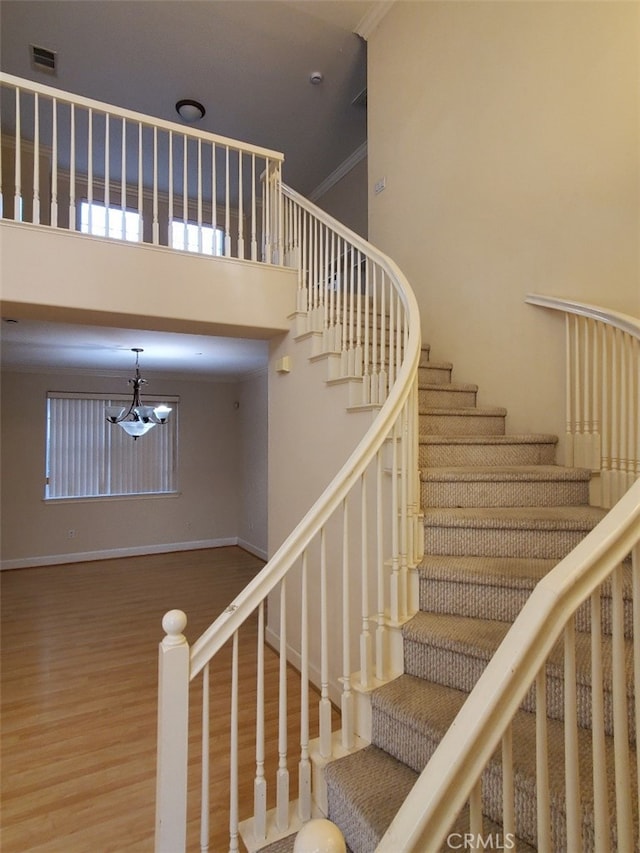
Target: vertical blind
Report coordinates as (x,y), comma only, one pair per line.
(89,457)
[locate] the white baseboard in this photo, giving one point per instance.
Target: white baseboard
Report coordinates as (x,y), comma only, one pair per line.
(253,549)
(111,553)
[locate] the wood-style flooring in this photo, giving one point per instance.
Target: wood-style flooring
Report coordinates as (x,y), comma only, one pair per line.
(79,700)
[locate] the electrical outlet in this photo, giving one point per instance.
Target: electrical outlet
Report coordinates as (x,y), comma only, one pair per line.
(380,185)
(71,534)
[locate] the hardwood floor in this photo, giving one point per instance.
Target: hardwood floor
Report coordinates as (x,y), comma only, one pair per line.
(79,700)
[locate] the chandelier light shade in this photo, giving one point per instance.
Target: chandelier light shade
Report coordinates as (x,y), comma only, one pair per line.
(136,420)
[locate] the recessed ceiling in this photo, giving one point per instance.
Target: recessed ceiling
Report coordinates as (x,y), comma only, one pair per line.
(99,350)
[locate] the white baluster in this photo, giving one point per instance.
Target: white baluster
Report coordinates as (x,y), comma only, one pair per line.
(54,163)
(106,180)
(233,752)
(199,195)
(394,591)
(624,820)
(572,775)
(227,208)
(155,228)
(214,190)
(304,767)
(254,241)
(123,171)
(17,197)
(173,736)
(475,811)
(365,634)
(1,177)
(72,169)
(282,791)
(542,764)
(382,375)
(600,786)
(635,572)
(90,167)
(348,722)
(260,783)
(205,774)
(240,253)
(325,703)
(508,786)
(35,218)
(381,629)
(140,185)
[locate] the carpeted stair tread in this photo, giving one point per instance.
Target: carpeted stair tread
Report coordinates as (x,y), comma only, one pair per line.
(410,716)
(371,808)
(466,411)
(528,438)
(509,572)
(580,518)
(501,473)
(479,638)
(363,810)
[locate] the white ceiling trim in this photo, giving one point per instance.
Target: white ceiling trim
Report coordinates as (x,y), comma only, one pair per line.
(372,18)
(343,169)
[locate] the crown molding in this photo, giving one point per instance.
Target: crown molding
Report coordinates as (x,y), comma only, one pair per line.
(369,22)
(343,169)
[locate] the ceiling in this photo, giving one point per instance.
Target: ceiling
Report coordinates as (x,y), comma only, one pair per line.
(249,63)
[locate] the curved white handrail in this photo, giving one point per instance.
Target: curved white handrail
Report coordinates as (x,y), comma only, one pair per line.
(89,103)
(448,779)
(624,322)
(291,549)
(458,763)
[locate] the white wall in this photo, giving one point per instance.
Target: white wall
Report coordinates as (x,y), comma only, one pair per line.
(207,511)
(347,199)
(509,137)
(254,416)
(109,282)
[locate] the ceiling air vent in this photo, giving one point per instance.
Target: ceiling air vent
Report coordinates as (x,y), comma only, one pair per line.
(43,59)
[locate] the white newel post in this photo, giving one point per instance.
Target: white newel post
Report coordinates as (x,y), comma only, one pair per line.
(173,718)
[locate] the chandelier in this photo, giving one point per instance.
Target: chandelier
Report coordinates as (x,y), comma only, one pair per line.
(137,419)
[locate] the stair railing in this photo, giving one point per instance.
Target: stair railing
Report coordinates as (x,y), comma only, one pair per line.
(595,589)
(360,537)
(60,150)
(602,393)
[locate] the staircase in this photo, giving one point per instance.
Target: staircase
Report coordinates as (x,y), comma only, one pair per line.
(499,514)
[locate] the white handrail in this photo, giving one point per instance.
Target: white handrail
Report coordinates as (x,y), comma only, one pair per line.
(291,549)
(453,773)
(158,172)
(448,779)
(624,322)
(602,394)
(341,278)
(131,115)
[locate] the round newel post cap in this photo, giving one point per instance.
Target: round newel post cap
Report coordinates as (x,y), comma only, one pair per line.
(319,836)
(174,622)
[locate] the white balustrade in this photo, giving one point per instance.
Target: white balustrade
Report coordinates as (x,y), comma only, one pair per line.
(340,548)
(85,150)
(365,313)
(602,411)
(602,393)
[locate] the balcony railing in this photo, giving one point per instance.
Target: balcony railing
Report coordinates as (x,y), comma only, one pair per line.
(59,150)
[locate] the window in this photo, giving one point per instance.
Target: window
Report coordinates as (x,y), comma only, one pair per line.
(192,237)
(114,222)
(87,457)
